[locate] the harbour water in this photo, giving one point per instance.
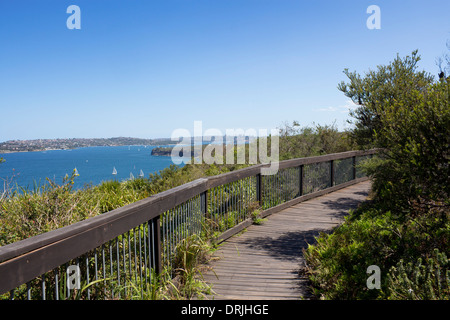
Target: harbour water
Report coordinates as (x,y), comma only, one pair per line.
(93,164)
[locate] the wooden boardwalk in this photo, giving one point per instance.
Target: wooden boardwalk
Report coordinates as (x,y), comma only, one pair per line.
(264,262)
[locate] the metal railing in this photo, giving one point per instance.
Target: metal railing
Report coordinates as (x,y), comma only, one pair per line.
(118,254)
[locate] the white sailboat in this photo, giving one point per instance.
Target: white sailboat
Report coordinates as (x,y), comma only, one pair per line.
(131,176)
(75,172)
(141,174)
(114,171)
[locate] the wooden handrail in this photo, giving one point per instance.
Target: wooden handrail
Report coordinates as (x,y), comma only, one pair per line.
(29,258)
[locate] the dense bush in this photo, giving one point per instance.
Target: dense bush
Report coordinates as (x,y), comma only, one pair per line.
(405,230)
(371,236)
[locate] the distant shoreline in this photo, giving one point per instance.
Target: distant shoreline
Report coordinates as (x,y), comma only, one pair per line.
(23,151)
(13,146)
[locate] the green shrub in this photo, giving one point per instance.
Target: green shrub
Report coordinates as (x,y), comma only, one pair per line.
(421,280)
(371,236)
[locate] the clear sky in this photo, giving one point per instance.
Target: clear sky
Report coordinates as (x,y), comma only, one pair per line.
(146,68)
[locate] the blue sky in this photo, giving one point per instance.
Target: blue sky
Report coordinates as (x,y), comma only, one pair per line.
(146,68)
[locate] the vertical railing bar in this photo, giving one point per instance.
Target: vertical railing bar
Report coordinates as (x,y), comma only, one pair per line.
(218,208)
(240,198)
(140,260)
(124,265)
(152,241)
(275,179)
(149,252)
(239,202)
(104,270)
(185,229)
(78,268)
(214,212)
(96,264)
(172,234)
(169,236)
(144,254)
(146,268)
(354,167)
(234,192)
(135,257)
(188,223)
(229,203)
(193,218)
(56,271)
(177,224)
(194,215)
(301,178)
(221,202)
(182,216)
(274,190)
(43,287)
(204,210)
(197,210)
(166,238)
(28,290)
(150,248)
(157,236)
(183,212)
(87,276)
(118,265)
(164,222)
(259,197)
(331,173)
(200,213)
(130,269)
(111,270)
(277,182)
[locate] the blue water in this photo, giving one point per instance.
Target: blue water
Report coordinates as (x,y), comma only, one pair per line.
(94,165)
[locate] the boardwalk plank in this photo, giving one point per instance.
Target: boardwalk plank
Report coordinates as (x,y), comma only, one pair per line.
(263,262)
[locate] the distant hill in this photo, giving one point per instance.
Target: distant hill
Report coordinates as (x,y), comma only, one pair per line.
(73,143)
(167,151)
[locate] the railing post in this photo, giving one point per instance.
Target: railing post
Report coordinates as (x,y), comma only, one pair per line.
(204,200)
(259,189)
(204,208)
(300,177)
(354,167)
(331,173)
(157,244)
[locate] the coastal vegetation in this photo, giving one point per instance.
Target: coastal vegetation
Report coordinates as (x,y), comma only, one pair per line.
(404,229)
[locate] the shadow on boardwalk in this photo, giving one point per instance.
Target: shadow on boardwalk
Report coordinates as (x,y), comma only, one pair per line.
(264,262)
(286,247)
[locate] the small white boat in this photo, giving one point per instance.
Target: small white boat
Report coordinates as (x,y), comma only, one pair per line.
(141,174)
(114,171)
(131,176)
(75,172)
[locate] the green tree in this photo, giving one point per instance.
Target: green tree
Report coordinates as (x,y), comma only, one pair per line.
(380,88)
(415,132)
(407,114)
